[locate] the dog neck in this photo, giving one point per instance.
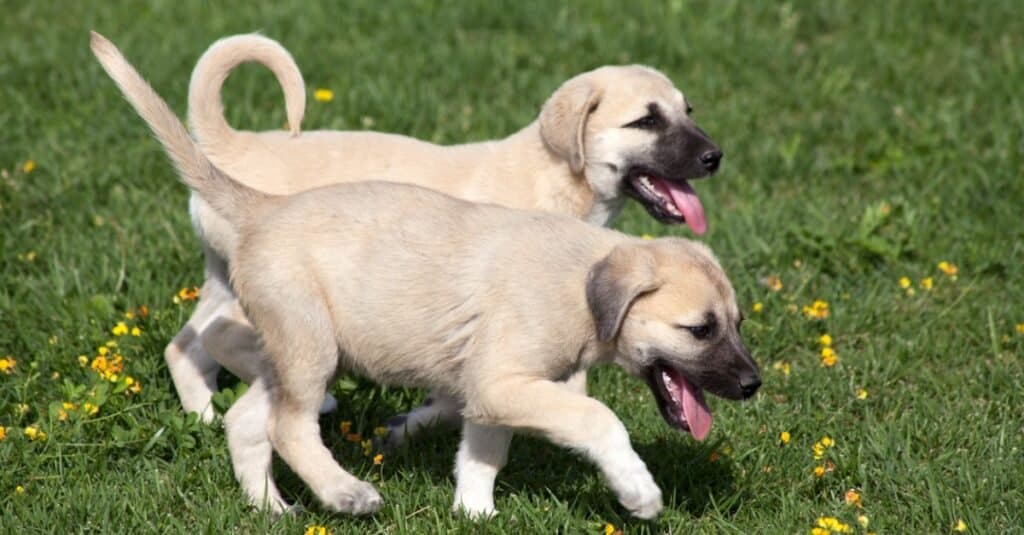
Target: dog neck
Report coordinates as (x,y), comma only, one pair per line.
(556,187)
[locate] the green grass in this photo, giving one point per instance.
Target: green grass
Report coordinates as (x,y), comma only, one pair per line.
(864,142)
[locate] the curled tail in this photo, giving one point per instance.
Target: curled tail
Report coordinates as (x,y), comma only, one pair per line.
(230,198)
(205,111)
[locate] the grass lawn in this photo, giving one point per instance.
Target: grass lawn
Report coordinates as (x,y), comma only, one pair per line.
(865,142)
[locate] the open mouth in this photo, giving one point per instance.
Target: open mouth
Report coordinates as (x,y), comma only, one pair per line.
(668,201)
(680,402)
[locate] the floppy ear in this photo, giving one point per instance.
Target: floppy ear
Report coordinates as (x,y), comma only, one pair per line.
(563,120)
(614,283)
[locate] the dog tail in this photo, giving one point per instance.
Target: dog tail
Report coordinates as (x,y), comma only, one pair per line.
(205,111)
(227,196)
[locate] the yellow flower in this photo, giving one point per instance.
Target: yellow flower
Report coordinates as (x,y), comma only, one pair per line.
(7,364)
(960,526)
(19,489)
(187,294)
(817,310)
(378,459)
(784,437)
(367,446)
(90,408)
(21,408)
(833,525)
(828,357)
(323,95)
(136,331)
(1020,328)
(904,283)
(852,497)
(863,521)
(948,268)
(927,283)
(111,343)
(773,283)
(862,394)
(65,406)
(825,340)
(758,307)
(609,529)
(819,531)
(819,471)
(345,427)
(3,433)
(133,386)
(380,432)
(317,530)
(53,340)
(781,366)
(820,447)
(103,351)
(83,360)
(129,315)
(120,329)
(143,311)
(28,166)
(34,433)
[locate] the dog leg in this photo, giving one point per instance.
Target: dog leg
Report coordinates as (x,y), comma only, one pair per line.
(193,370)
(438,408)
(574,421)
(482,453)
(301,380)
(234,344)
(251,453)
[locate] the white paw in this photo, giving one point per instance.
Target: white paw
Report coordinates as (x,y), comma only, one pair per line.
(329,404)
(639,494)
(353,497)
(476,508)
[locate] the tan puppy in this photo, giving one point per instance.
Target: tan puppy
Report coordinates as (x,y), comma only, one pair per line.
(490,305)
(604,135)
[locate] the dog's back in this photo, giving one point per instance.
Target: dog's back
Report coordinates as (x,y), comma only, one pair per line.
(376,250)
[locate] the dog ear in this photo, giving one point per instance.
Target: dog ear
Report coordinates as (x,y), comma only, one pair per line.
(563,120)
(614,283)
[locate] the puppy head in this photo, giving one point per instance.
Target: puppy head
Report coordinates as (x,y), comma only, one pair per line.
(672,315)
(630,132)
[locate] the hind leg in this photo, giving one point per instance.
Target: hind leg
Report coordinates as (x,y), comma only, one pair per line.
(234,343)
(245,425)
(193,370)
(305,357)
(482,453)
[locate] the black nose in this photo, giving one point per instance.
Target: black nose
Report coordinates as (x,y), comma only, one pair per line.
(711,159)
(749,385)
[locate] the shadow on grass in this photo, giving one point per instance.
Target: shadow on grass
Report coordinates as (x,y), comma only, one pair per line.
(537,470)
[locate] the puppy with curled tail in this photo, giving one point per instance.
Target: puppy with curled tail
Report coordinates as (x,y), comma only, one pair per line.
(492,306)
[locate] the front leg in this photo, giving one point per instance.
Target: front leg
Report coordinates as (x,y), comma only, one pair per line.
(482,453)
(573,420)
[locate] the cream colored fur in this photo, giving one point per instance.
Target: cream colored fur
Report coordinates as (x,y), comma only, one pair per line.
(489,305)
(559,163)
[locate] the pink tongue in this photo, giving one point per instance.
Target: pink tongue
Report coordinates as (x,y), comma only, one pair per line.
(698,415)
(688,204)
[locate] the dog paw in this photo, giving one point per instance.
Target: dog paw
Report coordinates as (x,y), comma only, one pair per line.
(354,497)
(475,509)
(329,404)
(640,495)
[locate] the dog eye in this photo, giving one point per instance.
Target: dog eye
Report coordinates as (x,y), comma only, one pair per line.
(700,332)
(651,121)
(689,109)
